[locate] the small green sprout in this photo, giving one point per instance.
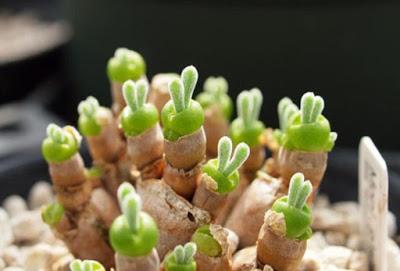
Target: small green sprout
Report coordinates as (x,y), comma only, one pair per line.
(134,233)
(52,213)
(86,265)
(215,91)
(181,259)
(308,129)
(126,65)
(286,110)
(297,214)
(205,242)
(138,116)
(61,143)
(182,116)
(247,128)
(224,171)
(94,172)
(87,123)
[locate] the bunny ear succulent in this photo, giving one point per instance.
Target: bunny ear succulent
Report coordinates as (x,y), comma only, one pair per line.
(86,265)
(247,127)
(125,65)
(134,233)
(286,110)
(297,214)
(224,169)
(138,116)
(308,129)
(181,115)
(60,143)
(215,91)
(181,259)
(87,123)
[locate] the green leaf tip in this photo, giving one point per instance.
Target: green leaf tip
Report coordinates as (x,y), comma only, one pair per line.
(135,94)
(286,110)
(126,65)
(299,191)
(205,242)
(311,107)
(86,265)
(184,254)
(131,205)
(52,213)
(181,90)
(56,133)
(249,106)
(240,155)
(216,85)
(88,107)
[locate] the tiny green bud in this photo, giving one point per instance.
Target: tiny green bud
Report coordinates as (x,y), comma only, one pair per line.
(134,233)
(181,259)
(87,122)
(52,213)
(86,265)
(297,214)
(206,243)
(224,171)
(138,116)
(126,65)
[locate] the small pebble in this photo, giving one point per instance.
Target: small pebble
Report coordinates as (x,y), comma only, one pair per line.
(43,256)
(12,256)
(393,255)
(14,205)
(2,264)
(335,255)
(6,234)
(63,263)
(40,194)
(335,238)
(28,226)
(13,268)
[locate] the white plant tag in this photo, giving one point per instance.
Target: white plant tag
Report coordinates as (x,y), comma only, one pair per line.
(373,196)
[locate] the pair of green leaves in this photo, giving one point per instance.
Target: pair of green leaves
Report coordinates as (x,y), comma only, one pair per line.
(86,265)
(181,259)
(134,233)
(247,128)
(126,65)
(215,91)
(61,143)
(224,169)
(181,115)
(138,116)
(297,214)
(305,129)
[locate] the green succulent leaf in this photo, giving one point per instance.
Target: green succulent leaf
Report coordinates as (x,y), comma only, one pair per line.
(87,122)
(181,259)
(86,265)
(206,243)
(126,65)
(52,213)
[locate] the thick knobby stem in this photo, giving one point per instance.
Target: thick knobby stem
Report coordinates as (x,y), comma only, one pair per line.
(130,204)
(299,190)
(240,155)
(88,107)
(311,107)
(86,265)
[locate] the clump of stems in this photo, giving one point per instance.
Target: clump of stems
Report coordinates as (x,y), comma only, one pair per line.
(205,242)
(247,127)
(181,259)
(134,233)
(87,123)
(137,116)
(182,115)
(293,206)
(86,265)
(52,213)
(215,91)
(224,169)
(60,143)
(306,129)
(126,65)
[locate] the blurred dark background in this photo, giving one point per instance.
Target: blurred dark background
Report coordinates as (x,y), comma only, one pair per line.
(346,51)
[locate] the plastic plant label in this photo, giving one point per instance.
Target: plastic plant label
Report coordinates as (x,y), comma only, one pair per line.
(373,197)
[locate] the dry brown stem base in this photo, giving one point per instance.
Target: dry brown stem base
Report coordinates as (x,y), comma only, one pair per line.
(207,198)
(149,262)
(251,208)
(68,173)
(183,182)
(215,127)
(176,218)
